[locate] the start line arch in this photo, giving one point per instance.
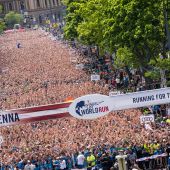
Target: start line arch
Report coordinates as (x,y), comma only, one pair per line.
(86,107)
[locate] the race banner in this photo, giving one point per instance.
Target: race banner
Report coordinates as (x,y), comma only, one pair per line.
(86,107)
(33,114)
(97,105)
(151,157)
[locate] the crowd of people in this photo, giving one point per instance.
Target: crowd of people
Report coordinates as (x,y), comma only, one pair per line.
(41,71)
(125,79)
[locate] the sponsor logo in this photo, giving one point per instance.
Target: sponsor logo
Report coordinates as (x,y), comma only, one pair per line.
(83,108)
(90,107)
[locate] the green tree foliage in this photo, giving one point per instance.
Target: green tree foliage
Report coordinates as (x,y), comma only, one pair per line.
(125,58)
(134,28)
(2,23)
(138,25)
(13,18)
(1,9)
(85,21)
(90,30)
(157,65)
(73,18)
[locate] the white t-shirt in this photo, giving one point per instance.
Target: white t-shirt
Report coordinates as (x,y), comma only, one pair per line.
(32,166)
(117,80)
(80,159)
(29,167)
(63,164)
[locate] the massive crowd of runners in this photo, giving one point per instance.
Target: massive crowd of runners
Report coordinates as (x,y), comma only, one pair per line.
(41,71)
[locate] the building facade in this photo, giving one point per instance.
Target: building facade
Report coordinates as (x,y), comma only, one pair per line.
(37,10)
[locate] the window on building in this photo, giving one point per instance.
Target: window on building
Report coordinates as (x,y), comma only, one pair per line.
(45,3)
(38,3)
(53,2)
(50,2)
(22,6)
(10,7)
(57,2)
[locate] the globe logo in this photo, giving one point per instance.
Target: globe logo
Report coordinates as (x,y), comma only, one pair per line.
(79,106)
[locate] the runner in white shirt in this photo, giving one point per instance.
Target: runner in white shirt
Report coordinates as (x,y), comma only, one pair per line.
(80,161)
(63,164)
(28,166)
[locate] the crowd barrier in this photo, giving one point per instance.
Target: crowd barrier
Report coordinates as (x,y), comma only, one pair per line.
(153,162)
(152,157)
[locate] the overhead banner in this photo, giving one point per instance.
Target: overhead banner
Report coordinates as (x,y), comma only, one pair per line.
(96,105)
(28,115)
(163,155)
(86,107)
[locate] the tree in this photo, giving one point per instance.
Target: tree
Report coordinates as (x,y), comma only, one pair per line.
(2,23)
(84,22)
(90,30)
(13,18)
(138,25)
(73,18)
(159,65)
(133,28)
(125,58)
(1,9)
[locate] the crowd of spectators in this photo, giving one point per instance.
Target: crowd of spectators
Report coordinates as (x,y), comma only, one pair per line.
(41,72)
(125,79)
